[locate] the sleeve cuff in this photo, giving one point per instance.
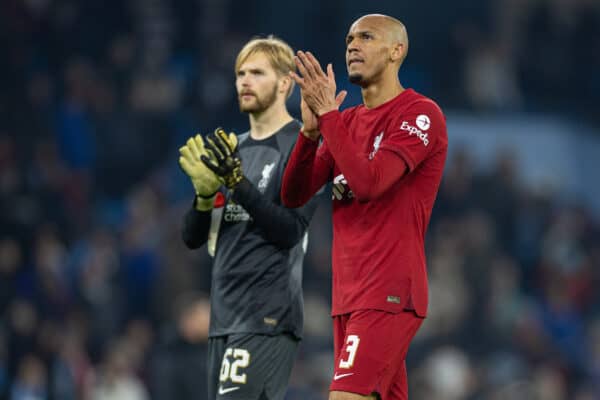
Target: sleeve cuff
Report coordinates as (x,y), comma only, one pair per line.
(328,115)
(304,141)
(203,204)
(242,190)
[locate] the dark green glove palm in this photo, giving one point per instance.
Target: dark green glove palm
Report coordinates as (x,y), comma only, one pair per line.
(223,159)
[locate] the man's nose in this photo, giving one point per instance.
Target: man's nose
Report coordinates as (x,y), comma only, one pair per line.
(244,81)
(352,47)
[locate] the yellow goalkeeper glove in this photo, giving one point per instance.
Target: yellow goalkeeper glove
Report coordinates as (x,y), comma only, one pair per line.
(224,158)
(205,182)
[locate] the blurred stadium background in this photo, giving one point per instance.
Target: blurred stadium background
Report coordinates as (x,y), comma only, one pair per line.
(99,298)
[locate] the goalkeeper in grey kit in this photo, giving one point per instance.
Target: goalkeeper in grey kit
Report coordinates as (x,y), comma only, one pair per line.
(258,244)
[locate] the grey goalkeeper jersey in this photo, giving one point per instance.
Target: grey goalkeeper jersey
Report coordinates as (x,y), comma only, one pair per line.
(257,268)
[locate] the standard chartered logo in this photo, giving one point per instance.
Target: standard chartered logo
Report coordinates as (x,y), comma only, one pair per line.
(235,213)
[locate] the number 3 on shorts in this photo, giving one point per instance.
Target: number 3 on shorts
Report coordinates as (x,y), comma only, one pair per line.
(352,342)
(241,359)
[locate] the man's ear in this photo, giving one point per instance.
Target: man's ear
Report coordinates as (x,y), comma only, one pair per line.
(285,83)
(397,52)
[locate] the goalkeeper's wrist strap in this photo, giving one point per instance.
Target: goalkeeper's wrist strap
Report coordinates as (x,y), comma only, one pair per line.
(204,203)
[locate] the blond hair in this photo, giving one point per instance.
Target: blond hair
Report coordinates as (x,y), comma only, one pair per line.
(278,52)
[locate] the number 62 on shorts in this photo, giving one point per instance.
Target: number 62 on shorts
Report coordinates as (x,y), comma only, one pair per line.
(230,370)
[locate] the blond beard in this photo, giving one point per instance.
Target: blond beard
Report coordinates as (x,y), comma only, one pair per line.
(260,104)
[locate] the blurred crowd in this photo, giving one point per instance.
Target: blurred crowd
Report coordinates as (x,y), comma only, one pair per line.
(99,298)
(530,55)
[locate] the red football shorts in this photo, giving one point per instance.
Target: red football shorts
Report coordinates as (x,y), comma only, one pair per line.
(370,352)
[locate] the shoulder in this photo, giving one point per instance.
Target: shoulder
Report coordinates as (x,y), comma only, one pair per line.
(350,111)
(420,117)
(420,111)
(290,129)
(418,103)
(242,137)
(286,137)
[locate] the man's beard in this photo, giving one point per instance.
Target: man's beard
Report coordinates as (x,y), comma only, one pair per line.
(260,104)
(355,78)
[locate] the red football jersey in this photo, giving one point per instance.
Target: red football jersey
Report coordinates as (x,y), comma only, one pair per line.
(386,164)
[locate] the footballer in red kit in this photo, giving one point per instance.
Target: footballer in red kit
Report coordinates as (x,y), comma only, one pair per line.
(385,159)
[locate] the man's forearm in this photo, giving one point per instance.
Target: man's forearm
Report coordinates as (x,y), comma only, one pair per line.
(367,178)
(195,227)
(280,225)
(302,177)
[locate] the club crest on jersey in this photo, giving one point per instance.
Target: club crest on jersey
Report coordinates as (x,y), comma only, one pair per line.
(376,144)
(266,175)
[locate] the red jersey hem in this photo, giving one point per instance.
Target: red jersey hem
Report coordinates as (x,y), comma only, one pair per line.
(394,311)
(340,387)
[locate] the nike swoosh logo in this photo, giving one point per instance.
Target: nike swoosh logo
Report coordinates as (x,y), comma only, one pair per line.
(336,376)
(225,391)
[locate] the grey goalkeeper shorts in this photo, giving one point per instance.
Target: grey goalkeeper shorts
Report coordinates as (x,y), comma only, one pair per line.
(250,366)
